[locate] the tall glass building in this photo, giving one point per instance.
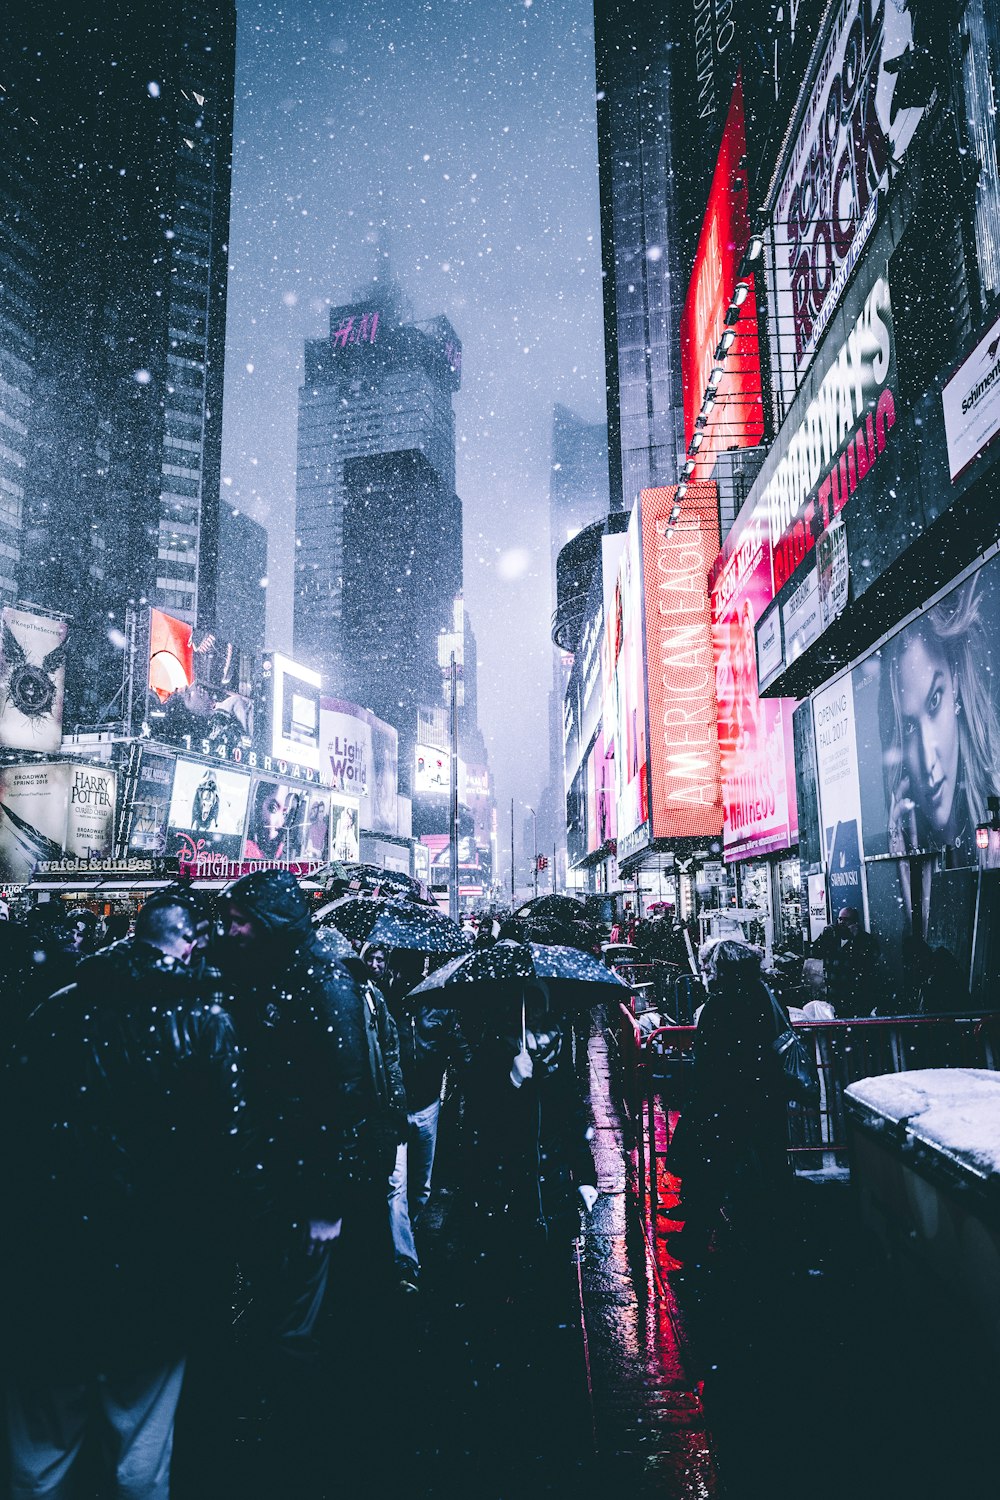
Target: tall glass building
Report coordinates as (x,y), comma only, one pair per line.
(123,120)
(377,384)
(640,245)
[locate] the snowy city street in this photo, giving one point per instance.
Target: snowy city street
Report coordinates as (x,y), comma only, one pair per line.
(499,749)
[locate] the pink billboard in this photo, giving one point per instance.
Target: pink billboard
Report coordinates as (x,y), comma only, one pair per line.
(757,757)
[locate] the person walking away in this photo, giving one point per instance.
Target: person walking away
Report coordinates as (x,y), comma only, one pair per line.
(430,1039)
(300,1017)
(125,1123)
(531,1162)
(730,1145)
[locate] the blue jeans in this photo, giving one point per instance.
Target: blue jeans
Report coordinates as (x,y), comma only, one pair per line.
(133,1413)
(410,1183)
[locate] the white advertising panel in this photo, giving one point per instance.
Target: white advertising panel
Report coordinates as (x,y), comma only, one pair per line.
(359,754)
(295,712)
(90,817)
(972,403)
(32,680)
(840,794)
(345,828)
(208,811)
(33,802)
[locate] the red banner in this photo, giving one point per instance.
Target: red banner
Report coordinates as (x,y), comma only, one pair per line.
(736,417)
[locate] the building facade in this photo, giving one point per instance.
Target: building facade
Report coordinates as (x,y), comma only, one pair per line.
(402,561)
(243,583)
(839,354)
(376,385)
(124,131)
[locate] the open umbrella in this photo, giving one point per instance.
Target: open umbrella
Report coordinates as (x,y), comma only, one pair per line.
(553,908)
(397,923)
(335,943)
(567,972)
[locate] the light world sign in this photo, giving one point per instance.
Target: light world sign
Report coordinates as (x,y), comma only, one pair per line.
(686,799)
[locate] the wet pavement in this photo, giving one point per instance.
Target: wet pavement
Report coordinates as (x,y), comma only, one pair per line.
(609,1373)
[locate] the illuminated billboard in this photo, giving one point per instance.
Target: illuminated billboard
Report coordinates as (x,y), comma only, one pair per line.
(294,694)
(51,810)
(288,822)
(625,700)
(208,811)
(32,680)
(360,756)
(345,828)
(735,417)
(755,735)
(198,696)
(854,131)
(678,549)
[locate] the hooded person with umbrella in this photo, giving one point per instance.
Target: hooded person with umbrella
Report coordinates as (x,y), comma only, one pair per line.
(530,1158)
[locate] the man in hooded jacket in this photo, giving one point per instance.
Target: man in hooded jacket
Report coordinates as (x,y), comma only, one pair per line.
(300,1018)
(123,1184)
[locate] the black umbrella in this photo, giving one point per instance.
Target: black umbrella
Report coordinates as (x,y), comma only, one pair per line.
(334,943)
(397,923)
(567,970)
(552,908)
(354,916)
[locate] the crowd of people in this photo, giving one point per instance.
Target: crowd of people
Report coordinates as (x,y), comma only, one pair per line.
(238,1091)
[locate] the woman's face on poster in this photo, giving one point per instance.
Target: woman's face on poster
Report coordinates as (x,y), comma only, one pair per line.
(928,707)
(273,813)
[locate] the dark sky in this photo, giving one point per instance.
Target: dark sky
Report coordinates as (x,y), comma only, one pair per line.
(464,132)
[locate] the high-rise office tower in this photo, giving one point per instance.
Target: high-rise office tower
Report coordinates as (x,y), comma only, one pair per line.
(578,496)
(402,558)
(376,385)
(242,609)
(641,243)
(123,118)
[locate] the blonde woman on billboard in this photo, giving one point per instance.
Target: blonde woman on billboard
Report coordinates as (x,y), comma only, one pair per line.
(940,735)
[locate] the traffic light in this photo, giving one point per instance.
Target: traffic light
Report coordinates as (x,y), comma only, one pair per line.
(542,862)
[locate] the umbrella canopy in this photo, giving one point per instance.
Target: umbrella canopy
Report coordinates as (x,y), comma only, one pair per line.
(396,923)
(508,963)
(552,908)
(334,943)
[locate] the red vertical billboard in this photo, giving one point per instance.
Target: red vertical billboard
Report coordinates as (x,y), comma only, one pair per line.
(685,800)
(756,751)
(735,418)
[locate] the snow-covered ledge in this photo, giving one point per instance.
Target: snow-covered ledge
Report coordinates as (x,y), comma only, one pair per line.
(954,1111)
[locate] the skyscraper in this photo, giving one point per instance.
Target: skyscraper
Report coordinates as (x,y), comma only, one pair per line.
(578,496)
(402,551)
(242,608)
(378,384)
(123,114)
(641,243)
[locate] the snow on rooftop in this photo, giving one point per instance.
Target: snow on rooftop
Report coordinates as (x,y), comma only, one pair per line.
(956,1110)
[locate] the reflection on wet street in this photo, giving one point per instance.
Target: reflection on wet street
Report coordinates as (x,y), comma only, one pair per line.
(769,1377)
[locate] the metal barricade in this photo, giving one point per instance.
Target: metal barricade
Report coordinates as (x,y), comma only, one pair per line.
(845,1052)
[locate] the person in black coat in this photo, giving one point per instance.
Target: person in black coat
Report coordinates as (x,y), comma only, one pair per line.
(430,1039)
(531,1163)
(300,1017)
(123,1184)
(730,1145)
